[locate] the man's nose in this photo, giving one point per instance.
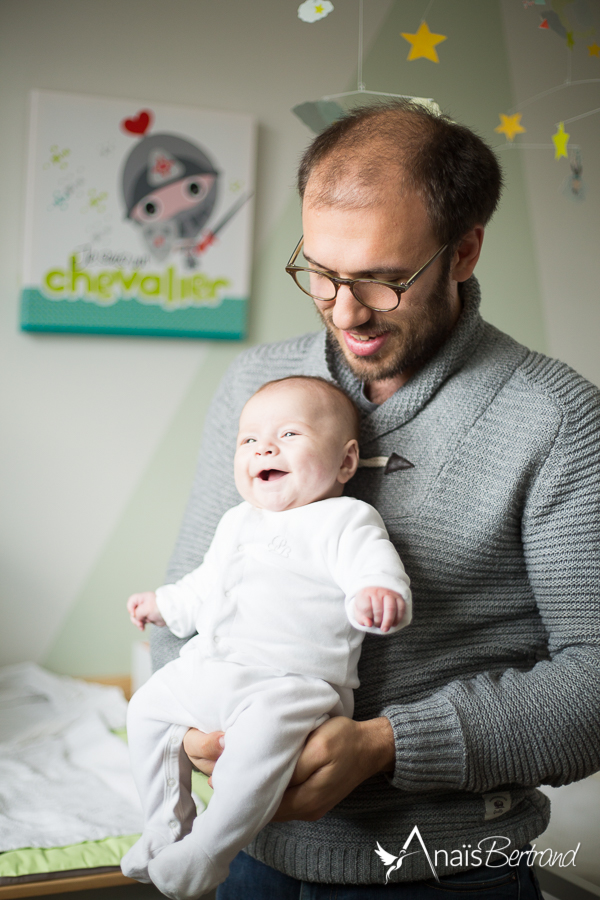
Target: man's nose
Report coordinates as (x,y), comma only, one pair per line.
(348,313)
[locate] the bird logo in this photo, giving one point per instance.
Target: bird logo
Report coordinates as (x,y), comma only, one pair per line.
(395,862)
(388,859)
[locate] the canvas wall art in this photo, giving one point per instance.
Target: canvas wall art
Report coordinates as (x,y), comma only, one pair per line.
(138,218)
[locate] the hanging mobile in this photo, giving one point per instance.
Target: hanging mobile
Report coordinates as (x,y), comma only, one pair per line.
(319,114)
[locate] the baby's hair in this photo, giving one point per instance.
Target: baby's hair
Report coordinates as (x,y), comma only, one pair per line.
(350,409)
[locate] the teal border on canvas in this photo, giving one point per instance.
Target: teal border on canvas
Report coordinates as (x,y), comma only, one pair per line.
(227,321)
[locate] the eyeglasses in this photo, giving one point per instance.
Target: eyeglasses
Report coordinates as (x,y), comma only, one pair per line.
(380,296)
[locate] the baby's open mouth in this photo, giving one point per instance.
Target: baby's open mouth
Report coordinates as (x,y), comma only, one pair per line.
(271,474)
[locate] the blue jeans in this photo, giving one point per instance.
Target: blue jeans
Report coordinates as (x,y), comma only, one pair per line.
(252,880)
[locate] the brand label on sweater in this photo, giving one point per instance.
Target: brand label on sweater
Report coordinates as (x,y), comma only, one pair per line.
(496,804)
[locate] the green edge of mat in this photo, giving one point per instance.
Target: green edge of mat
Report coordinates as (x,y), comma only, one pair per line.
(86,855)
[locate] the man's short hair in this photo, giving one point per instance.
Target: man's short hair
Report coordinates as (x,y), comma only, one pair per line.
(350,411)
(402,144)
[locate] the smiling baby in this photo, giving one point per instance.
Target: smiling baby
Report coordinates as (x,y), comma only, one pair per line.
(294,577)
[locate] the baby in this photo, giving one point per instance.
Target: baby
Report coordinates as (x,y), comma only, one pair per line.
(294,577)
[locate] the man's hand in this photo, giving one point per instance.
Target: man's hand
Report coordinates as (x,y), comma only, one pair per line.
(337,757)
(204,749)
(379,607)
(142,608)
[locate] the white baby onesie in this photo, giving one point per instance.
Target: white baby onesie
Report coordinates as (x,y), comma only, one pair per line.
(276,653)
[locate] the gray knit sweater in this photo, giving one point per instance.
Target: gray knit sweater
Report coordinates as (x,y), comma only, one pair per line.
(496,684)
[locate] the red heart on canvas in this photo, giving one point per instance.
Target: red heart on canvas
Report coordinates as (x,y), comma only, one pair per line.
(138,124)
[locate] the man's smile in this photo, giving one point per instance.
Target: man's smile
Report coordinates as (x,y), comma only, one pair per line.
(364,344)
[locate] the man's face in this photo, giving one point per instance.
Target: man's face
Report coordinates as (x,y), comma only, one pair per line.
(390,242)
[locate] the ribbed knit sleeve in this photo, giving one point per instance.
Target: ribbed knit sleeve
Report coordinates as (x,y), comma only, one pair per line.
(542,725)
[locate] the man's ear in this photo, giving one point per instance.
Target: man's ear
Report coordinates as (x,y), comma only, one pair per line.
(349,463)
(466,254)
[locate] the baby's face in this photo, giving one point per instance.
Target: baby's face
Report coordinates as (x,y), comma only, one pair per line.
(292,449)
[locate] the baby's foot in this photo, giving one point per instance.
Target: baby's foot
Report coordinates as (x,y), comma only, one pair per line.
(135,862)
(182,871)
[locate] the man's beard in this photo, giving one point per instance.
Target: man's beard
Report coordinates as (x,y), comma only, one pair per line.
(415,341)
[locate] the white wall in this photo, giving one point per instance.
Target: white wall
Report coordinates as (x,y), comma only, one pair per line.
(566,233)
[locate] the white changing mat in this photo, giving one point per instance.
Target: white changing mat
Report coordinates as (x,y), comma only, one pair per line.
(64,777)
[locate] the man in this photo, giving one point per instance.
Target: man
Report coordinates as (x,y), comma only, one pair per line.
(490,491)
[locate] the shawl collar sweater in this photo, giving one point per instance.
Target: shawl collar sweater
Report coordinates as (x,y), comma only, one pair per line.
(494,688)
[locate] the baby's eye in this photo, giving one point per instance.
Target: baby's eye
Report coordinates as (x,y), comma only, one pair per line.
(249,441)
(290,434)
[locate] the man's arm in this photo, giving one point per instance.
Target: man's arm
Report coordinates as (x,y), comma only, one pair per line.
(540,725)
(337,757)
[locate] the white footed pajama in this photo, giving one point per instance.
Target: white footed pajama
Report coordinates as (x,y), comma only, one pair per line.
(266,718)
(276,653)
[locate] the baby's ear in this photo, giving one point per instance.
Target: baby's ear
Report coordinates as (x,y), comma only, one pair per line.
(349,462)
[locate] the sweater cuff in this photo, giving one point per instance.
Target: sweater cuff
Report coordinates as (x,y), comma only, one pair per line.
(430,747)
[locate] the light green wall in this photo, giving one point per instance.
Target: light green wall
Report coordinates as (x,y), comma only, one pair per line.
(96,636)
(472,83)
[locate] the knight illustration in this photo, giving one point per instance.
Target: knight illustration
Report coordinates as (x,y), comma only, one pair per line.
(170,188)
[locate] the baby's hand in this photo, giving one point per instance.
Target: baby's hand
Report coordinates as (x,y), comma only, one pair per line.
(142,608)
(379,607)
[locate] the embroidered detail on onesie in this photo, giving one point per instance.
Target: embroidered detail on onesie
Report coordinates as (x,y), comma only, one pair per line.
(280,545)
(496,804)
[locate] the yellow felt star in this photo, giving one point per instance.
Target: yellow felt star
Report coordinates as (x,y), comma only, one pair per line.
(423,43)
(594,49)
(511,125)
(560,140)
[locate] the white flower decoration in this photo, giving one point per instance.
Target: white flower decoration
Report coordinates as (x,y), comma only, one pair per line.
(313,10)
